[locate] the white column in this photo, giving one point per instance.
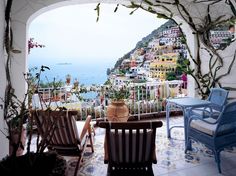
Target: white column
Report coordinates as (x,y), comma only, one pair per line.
(191,41)
(19,62)
(3,140)
(18,68)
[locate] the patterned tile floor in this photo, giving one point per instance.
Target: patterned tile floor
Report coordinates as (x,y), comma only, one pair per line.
(170,155)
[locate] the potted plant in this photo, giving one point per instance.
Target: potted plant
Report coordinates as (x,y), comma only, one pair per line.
(117,110)
(17,115)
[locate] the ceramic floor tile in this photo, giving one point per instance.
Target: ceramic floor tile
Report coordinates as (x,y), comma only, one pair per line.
(206,169)
(228,163)
(170,174)
(231,172)
(171,159)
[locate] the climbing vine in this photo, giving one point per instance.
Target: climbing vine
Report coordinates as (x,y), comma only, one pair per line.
(14,110)
(8,46)
(212,78)
(201,27)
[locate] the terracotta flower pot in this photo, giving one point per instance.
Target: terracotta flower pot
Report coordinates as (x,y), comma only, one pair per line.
(118,111)
(68,79)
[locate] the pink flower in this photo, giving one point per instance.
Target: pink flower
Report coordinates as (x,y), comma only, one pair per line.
(32,44)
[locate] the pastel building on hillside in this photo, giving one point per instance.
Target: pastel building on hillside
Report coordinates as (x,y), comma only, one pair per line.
(150,55)
(146,65)
(121,80)
(133,63)
(153,43)
(219,37)
(172,32)
(141,73)
(165,63)
(125,64)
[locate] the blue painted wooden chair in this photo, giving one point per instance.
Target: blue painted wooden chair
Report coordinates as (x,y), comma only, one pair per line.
(218,98)
(216,134)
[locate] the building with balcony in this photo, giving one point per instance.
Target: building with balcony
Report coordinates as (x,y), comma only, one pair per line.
(165,63)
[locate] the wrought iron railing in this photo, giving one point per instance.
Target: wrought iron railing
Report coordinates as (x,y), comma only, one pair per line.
(144,98)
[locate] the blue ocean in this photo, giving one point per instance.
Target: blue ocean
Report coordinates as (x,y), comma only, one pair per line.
(85,73)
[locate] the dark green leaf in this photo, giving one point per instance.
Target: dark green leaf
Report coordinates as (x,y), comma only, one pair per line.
(160,15)
(116,8)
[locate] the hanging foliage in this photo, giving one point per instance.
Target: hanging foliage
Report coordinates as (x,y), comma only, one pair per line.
(212,78)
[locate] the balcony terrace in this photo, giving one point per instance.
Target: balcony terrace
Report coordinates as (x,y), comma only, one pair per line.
(171,159)
(209,66)
(170,152)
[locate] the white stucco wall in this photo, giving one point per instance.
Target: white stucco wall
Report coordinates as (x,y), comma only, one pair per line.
(230,80)
(19,64)
(3,139)
(227,55)
(191,42)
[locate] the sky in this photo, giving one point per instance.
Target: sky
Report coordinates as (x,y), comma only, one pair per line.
(71,34)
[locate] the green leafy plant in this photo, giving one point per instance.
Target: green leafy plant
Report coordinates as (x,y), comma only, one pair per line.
(17,114)
(170,76)
(117,93)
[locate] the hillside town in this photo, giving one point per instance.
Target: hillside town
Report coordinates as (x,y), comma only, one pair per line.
(163,56)
(158,61)
(154,70)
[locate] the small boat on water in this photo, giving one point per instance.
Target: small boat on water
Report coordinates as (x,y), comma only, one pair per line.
(64,63)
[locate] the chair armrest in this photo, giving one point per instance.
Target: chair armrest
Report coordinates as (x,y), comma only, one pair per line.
(86,128)
(208,110)
(98,120)
(195,117)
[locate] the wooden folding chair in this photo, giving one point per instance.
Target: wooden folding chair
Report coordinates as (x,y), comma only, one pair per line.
(63,134)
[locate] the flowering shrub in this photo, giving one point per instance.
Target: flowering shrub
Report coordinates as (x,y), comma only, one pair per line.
(33,44)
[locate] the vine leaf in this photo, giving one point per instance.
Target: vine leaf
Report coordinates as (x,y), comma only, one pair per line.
(208,14)
(232,7)
(131,13)
(98,11)
(116,8)
(160,15)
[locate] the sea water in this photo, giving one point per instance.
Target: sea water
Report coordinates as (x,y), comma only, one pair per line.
(86,73)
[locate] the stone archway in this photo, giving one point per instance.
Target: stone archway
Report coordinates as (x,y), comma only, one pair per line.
(23,12)
(193,15)
(22,16)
